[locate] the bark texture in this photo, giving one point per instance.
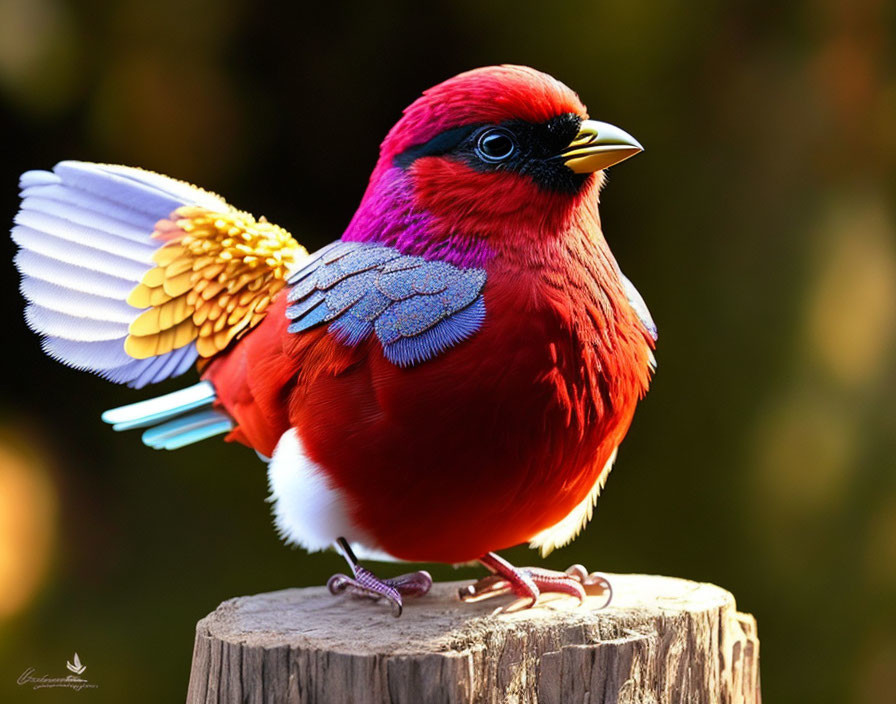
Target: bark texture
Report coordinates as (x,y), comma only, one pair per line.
(661,640)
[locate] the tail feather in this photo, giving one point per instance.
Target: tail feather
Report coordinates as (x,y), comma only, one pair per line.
(180,418)
(187,430)
(161,408)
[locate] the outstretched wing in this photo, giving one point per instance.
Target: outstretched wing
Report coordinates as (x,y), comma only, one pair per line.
(135,276)
(416,308)
(213,280)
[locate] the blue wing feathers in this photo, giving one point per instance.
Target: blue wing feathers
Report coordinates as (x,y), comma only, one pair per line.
(313,317)
(350,330)
(409,317)
(371,306)
(416,308)
(434,277)
(348,292)
(400,263)
(297,310)
(329,275)
(407,351)
(366,258)
(337,250)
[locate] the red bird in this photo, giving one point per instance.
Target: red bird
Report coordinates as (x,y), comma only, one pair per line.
(450,378)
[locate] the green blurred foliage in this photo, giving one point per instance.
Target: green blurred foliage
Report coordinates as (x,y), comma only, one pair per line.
(758,225)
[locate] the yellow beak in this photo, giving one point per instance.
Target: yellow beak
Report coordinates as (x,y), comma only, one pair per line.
(597,146)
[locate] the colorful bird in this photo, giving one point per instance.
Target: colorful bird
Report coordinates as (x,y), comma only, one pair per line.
(452,377)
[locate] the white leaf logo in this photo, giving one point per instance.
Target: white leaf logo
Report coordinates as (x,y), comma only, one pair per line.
(76,665)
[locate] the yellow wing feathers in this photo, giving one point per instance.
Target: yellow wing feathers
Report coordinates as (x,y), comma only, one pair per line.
(214,279)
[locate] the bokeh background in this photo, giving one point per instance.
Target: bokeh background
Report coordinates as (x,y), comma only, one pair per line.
(760,226)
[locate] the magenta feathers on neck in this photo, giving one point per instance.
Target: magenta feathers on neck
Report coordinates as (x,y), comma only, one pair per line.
(389,215)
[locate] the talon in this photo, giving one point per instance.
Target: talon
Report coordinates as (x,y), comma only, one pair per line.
(338,583)
(485,588)
(596,584)
(397,606)
(529,583)
(577,572)
(467,593)
(413,584)
(368,585)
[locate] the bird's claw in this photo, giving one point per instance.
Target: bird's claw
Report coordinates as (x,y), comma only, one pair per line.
(484,588)
(594,583)
(340,583)
(368,585)
(529,583)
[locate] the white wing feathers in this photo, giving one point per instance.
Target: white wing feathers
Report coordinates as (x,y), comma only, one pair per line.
(84,233)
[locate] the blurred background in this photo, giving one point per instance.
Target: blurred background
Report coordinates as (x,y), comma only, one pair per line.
(760,226)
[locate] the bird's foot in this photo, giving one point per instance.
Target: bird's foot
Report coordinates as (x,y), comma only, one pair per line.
(529,583)
(368,585)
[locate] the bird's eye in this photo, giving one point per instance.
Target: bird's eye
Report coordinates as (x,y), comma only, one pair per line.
(495,145)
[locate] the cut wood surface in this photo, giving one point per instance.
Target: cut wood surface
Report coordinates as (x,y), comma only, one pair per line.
(661,640)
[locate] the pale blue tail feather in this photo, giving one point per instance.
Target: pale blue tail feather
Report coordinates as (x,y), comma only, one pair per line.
(161,408)
(175,425)
(189,429)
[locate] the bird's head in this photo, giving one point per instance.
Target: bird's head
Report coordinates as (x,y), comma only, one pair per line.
(484,158)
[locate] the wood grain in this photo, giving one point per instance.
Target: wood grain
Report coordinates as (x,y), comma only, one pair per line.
(661,640)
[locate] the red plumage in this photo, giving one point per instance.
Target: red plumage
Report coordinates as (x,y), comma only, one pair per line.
(451,378)
(499,438)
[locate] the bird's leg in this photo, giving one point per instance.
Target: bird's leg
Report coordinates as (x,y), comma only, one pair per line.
(366,584)
(528,583)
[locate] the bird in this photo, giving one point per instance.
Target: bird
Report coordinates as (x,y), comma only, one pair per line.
(450,378)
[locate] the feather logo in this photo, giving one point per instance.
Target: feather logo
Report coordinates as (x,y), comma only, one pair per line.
(76,665)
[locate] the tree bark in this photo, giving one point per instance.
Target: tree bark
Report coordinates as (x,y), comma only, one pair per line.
(661,640)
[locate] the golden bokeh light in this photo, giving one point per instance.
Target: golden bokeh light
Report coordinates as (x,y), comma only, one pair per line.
(806,448)
(27,522)
(39,55)
(852,308)
(880,549)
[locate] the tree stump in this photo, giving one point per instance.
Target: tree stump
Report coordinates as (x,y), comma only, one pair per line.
(661,640)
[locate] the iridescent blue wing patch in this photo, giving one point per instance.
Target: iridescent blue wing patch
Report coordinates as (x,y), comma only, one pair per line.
(416,308)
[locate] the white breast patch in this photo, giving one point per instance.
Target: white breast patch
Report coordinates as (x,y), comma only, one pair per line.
(308,510)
